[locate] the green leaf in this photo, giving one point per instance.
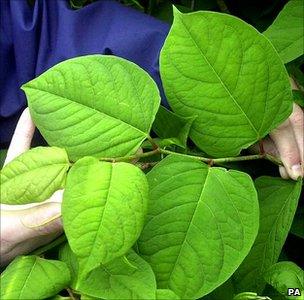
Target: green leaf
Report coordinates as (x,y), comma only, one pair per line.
(68,256)
(117,280)
(76,4)
(163,294)
(168,125)
(32,277)
(3,153)
(224,291)
(97,105)
(297,227)
(224,71)
(278,200)
(249,296)
(298,97)
(103,209)
(201,224)
(284,275)
(34,175)
(286,32)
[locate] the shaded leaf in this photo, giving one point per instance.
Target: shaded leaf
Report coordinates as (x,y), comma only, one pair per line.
(32,277)
(224,71)
(286,32)
(34,175)
(97,105)
(297,227)
(103,209)
(66,255)
(278,199)
(284,275)
(118,280)
(298,97)
(168,125)
(201,224)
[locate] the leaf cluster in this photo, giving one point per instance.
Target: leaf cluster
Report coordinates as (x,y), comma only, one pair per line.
(163,217)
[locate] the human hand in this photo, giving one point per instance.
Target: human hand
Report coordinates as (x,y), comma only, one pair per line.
(287,143)
(26,227)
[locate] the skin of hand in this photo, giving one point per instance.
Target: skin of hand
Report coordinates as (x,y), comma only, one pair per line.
(287,143)
(27,227)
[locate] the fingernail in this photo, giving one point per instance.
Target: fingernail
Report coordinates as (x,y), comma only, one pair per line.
(297,170)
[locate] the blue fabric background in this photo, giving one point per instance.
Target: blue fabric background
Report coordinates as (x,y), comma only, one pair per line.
(33,39)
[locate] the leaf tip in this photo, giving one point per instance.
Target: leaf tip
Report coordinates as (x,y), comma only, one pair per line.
(176,11)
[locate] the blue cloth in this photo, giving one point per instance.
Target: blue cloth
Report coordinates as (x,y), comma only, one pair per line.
(33,39)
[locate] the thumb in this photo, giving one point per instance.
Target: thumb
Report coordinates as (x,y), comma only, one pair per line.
(42,219)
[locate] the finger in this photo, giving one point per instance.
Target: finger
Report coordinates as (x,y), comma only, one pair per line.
(19,226)
(42,220)
(270,148)
(283,172)
(297,123)
(7,255)
(22,137)
(285,141)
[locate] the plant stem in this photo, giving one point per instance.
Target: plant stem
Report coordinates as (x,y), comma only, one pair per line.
(226,159)
(70,292)
(61,239)
(207,160)
(154,145)
(131,157)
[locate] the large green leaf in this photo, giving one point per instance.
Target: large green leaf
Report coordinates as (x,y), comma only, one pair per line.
(119,280)
(103,209)
(163,294)
(278,200)
(224,71)
(34,175)
(168,125)
(284,275)
(32,277)
(201,224)
(95,105)
(287,31)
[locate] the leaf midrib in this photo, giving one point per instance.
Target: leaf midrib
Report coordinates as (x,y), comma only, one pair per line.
(190,223)
(33,170)
(101,221)
(27,278)
(220,80)
(89,107)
